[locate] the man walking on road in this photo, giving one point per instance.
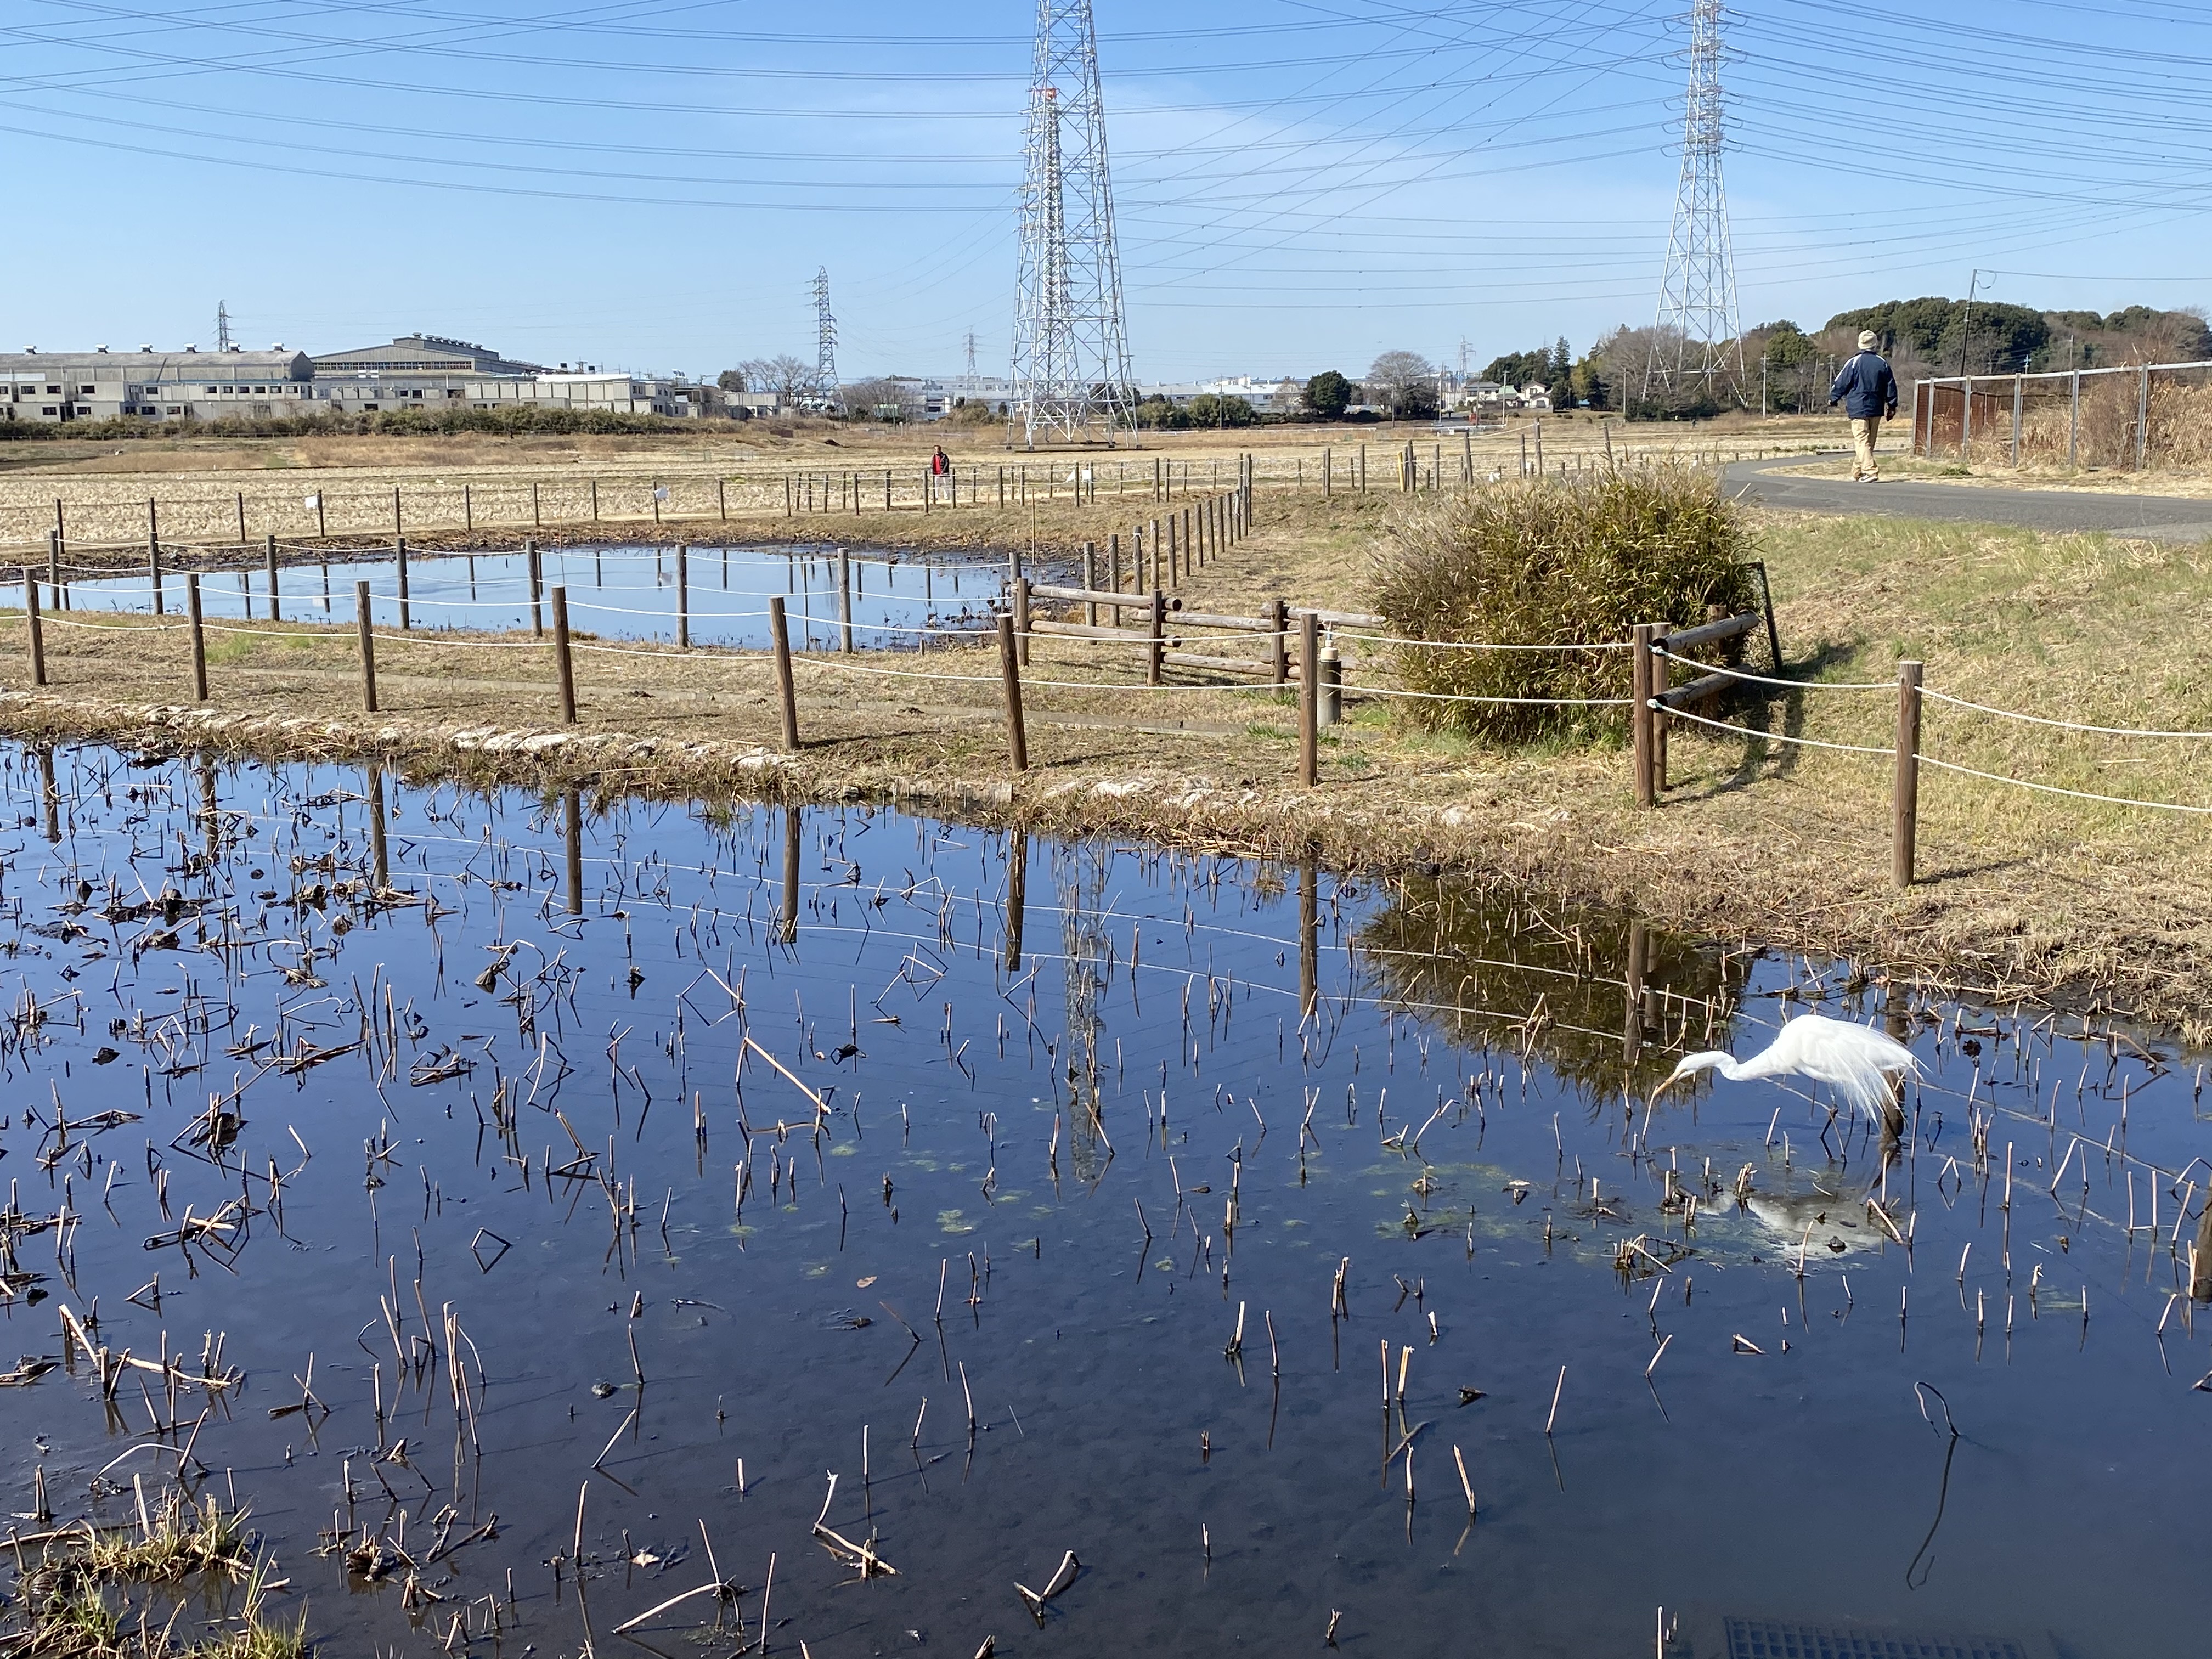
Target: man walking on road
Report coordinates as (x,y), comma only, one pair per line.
(1867,391)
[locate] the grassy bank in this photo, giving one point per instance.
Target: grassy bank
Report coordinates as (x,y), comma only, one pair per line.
(2028,895)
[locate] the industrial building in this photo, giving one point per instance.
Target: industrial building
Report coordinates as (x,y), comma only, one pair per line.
(418,371)
(102,385)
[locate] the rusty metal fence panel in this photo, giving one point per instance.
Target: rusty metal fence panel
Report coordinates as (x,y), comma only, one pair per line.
(2125,419)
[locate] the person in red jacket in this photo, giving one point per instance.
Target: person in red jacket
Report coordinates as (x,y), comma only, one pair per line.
(940,470)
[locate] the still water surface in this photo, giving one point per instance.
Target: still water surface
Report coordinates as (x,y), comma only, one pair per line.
(625,592)
(1081,1107)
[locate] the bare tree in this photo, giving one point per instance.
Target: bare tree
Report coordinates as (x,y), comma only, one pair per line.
(787,376)
(887,399)
(1394,374)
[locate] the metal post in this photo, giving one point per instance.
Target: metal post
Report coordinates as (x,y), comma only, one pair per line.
(786,694)
(683,597)
(1966,417)
(564,664)
(1905,819)
(1010,674)
(361,623)
(1308,698)
(1639,717)
(2142,419)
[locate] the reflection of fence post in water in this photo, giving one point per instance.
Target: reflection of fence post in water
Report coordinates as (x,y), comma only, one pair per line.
(1087,950)
(1631,1030)
(51,795)
(210,812)
(379,863)
(1308,936)
(1017,881)
(787,923)
(572,836)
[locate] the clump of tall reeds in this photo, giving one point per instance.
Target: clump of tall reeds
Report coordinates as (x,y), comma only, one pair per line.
(1572,562)
(89,1592)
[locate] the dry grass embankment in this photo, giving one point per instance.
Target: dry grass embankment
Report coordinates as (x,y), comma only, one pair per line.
(2026,894)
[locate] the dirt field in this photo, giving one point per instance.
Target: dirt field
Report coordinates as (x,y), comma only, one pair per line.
(2026,894)
(210,490)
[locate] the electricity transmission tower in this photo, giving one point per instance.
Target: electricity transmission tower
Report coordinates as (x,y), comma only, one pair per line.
(825,339)
(1699,342)
(1071,368)
(971,354)
(221,326)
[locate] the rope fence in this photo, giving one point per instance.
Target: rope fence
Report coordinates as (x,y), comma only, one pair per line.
(1298,656)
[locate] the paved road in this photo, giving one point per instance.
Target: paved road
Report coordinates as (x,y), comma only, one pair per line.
(2156,518)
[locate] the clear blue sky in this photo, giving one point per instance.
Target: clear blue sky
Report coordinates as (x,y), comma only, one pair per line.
(1300,186)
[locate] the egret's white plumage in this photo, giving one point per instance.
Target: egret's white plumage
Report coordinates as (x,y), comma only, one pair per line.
(1867,1067)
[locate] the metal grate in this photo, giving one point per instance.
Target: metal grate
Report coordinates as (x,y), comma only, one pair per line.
(1773,1638)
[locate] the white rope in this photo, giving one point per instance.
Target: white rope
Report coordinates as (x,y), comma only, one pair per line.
(1761,679)
(2054,789)
(2066,725)
(1446,696)
(1027,683)
(1475,645)
(1775,737)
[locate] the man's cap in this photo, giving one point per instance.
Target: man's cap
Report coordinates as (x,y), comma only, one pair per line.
(1867,340)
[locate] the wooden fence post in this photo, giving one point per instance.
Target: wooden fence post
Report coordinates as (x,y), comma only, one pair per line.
(537,587)
(1308,698)
(199,638)
(399,526)
(1639,725)
(468,509)
(786,694)
(362,629)
(683,597)
(1010,672)
(844,602)
(722,496)
(54,566)
(563,663)
(241,520)
(1279,643)
(1904,810)
(536,517)
(1662,674)
(399,553)
(380,852)
(154,565)
(276,608)
(38,633)
(1022,618)
(572,826)
(1153,660)
(1090,581)
(1113,571)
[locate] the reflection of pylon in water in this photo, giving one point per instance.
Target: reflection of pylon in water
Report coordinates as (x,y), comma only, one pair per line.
(1088,955)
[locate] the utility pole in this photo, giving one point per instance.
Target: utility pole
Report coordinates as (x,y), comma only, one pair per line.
(1966,332)
(1699,340)
(1071,358)
(1762,385)
(221,326)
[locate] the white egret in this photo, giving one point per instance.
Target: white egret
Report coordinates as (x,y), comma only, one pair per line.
(1867,1067)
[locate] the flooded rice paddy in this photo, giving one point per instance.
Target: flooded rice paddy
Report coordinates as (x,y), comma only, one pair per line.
(614,592)
(864,1212)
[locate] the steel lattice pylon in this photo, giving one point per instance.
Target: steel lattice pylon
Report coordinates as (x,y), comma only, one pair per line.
(825,339)
(1071,368)
(1699,340)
